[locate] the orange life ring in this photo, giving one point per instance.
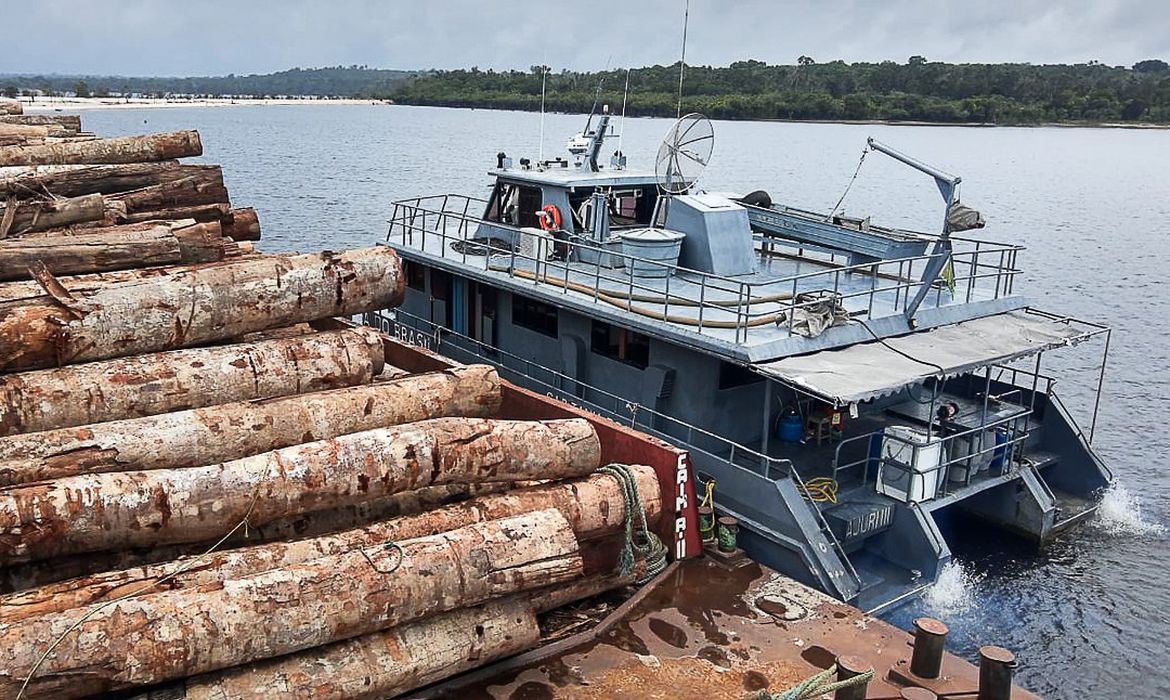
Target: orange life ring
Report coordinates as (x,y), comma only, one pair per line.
(549,217)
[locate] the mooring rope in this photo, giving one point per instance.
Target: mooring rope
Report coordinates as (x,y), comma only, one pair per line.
(815,686)
(640,541)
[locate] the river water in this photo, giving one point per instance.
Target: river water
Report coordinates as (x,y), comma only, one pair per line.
(1088,615)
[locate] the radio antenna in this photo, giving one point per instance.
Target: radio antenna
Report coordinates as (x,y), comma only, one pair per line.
(622,127)
(543,82)
(682,62)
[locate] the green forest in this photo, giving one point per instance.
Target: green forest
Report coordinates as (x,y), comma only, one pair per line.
(334,81)
(918,90)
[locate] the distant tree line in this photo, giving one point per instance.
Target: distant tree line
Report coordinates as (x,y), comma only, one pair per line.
(918,90)
(336,81)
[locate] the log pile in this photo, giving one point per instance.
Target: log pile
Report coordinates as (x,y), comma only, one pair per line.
(56,178)
(202,495)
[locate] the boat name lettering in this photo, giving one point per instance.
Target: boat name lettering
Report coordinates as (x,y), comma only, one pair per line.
(682,474)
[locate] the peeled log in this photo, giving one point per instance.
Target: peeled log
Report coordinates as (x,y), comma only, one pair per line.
(594,508)
(220,433)
(383,664)
(114,510)
(123,149)
(46,214)
(153,638)
(244,225)
(8,106)
(77,180)
(201,306)
(147,385)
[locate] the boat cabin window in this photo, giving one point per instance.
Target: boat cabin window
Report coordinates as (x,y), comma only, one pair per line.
(621,344)
(631,207)
(416,275)
(732,375)
(513,204)
(535,316)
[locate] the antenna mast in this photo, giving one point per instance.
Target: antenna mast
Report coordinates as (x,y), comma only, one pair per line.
(682,62)
(543,82)
(622,133)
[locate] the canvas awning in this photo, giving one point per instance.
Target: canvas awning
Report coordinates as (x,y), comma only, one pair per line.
(872,369)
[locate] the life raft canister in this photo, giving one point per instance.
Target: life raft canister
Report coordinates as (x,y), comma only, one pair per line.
(549,217)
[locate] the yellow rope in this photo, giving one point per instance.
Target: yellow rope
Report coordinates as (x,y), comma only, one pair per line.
(708,502)
(821,490)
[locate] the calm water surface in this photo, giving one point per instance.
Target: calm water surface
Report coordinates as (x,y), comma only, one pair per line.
(1089,615)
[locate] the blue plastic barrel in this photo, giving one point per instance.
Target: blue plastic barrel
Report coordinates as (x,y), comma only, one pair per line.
(790,429)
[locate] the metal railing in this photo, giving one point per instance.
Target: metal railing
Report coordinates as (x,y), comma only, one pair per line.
(434,337)
(704,302)
(429,335)
(969,457)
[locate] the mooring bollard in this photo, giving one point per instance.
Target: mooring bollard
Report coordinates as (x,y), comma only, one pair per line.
(707,524)
(851,667)
(930,639)
(917,694)
(996,665)
(728,532)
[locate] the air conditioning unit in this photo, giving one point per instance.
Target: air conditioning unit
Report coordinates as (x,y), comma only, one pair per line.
(908,470)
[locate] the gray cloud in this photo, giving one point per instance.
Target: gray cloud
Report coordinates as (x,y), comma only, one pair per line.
(163,37)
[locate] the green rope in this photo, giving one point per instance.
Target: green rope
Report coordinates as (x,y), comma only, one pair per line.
(815,686)
(640,541)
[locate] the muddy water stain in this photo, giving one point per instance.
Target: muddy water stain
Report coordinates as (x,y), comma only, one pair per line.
(819,656)
(754,681)
(672,635)
(531,690)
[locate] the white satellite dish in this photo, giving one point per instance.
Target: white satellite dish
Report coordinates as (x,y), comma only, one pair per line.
(684,153)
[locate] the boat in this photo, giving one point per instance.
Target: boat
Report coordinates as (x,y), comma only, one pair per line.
(841,387)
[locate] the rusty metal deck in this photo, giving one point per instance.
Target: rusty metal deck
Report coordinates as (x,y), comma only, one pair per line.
(706,632)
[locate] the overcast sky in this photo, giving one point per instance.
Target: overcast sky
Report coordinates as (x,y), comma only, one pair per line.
(216,37)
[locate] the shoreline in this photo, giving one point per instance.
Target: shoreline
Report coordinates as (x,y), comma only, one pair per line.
(67,104)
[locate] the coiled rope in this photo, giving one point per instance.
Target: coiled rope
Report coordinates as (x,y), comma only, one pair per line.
(640,541)
(815,686)
(822,489)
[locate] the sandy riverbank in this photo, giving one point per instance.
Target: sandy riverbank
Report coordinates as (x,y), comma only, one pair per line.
(71,104)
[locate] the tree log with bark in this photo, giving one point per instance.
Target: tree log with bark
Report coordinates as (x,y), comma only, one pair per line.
(104,250)
(78,180)
(153,638)
(244,225)
(156,383)
(594,506)
(39,215)
(115,510)
(221,433)
(123,149)
(382,664)
(201,306)
(28,291)
(70,122)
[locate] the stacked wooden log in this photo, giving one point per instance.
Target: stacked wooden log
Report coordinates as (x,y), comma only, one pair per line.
(201,495)
(57,179)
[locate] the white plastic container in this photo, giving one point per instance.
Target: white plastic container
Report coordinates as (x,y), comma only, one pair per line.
(911,447)
(658,248)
